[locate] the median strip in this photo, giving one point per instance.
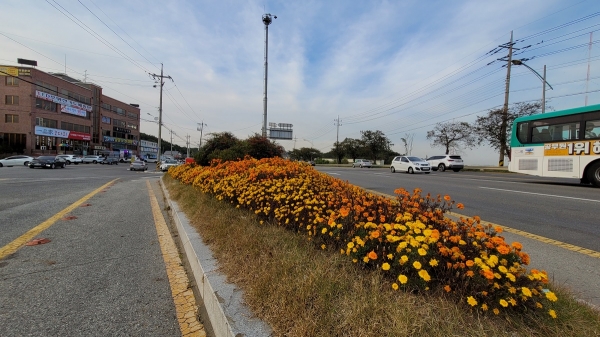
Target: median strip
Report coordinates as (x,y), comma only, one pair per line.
(13,246)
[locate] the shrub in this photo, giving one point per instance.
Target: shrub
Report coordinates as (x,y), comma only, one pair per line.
(408,238)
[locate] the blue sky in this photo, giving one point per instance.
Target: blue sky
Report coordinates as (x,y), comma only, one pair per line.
(395,66)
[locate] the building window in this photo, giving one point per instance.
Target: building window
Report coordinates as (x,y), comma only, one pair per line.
(46,105)
(11,118)
(13,142)
(11,100)
(49,123)
(12,81)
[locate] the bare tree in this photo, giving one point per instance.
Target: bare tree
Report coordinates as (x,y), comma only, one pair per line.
(452,135)
(487,127)
(407,140)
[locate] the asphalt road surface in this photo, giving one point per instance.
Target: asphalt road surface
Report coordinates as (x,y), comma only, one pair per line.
(101,274)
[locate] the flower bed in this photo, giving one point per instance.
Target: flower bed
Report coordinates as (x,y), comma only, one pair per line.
(408,238)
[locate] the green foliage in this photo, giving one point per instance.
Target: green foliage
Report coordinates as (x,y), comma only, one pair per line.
(227,147)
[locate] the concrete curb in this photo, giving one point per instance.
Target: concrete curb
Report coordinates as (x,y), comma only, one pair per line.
(222,302)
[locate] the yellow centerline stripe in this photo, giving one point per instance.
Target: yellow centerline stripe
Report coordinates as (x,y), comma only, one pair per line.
(536,237)
(21,240)
(183,296)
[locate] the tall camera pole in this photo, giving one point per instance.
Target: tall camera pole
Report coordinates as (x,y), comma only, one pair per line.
(267,19)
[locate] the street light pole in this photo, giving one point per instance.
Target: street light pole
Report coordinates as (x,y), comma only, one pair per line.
(161,83)
(543,78)
(267,19)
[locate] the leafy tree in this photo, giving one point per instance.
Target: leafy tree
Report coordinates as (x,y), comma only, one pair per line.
(215,145)
(261,147)
(338,152)
(452,135)
(305,153)
(375,143)
(488,127)
(351,147)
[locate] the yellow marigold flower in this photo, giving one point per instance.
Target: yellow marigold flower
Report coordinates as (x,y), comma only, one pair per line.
(385,266)
(462,242)
(472,301)
(484,307)
(512,290)
(526,291)
(539,305)
(324,230)
(513,302)
(552,313)
(350,244)
(404,258)
(433,262)
(496,311)
(503,303)
(395,286)
(390,256)
(323,246)
(366,259)
(511,277)
(403,279)
(427,232)
(502,269)
(422,252)
(372,255)
(424,275)
(417,265)
(551,296)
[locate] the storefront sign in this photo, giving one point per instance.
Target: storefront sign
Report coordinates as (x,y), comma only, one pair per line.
(73,111)
(12,71)
(62,101)
(79,135)
(66,134)
(108,139)
(122,130)
(98,147)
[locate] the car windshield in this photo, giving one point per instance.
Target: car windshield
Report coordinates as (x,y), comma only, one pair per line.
(170,161)
(414,159)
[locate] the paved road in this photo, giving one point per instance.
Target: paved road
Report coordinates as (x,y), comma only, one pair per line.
(558,209)
(103,272)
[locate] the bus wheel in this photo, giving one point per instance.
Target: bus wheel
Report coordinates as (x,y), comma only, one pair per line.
(594,174)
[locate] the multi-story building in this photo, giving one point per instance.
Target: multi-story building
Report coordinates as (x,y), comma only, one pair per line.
(51,113)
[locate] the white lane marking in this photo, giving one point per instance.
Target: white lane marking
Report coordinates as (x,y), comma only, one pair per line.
(334,173)
(547,195)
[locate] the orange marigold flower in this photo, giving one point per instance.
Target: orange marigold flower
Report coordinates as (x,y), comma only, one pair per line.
(375,234)
(470,273)
(488,274)
(469,263)
(460,206)
(344,212)
(447,198)
(498,229)
(447,288)
(516,245)
(503,249)
(372,255)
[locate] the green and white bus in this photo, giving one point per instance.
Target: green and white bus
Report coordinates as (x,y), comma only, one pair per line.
(558,144)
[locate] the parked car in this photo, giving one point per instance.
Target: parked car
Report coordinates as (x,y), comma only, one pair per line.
(446,162)
(150,158)
(138,165)
(410,164)
(164,166)
(91,159)
(15,161)
(71,159)
(362,163)
(110,160)
(48,162)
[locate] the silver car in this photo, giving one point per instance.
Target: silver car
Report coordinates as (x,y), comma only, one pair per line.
(362,163)
(410,164)
(15,161)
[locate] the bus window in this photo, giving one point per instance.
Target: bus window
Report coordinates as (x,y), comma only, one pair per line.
(522,129)
(592,129)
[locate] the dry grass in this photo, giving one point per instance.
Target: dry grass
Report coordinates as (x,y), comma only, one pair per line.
(300,290)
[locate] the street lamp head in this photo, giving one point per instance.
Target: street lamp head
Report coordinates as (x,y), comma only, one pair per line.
(268,18)
(517,62)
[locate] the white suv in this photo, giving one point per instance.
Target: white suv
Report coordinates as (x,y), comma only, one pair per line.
(446,162)
(71,159)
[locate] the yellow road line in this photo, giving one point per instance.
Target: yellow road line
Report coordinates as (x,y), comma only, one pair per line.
(183,296)
(536,237)
(21,240)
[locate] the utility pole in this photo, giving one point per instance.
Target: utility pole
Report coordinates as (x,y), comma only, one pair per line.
(199,128)
(267,19)
(171,142)
(504,124)
(587,82)
(161,83)
(337,135)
